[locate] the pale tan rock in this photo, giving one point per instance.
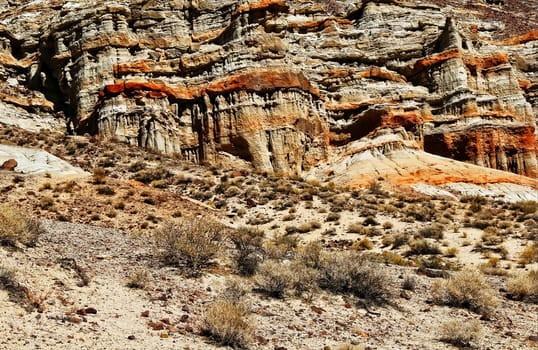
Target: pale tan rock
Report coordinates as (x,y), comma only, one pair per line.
(283,85)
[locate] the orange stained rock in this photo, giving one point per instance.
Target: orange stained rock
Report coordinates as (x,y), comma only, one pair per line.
(435,176)
(431,60)
(314,26)
(405,119)
(254,80)
(376,72)
(349,106)
(27,101)
(114,89)
(144,66)
(525,84)
(521,39)
(471,61)
(207,36)
(481,63)
(261,80)
(338,73)
(273,5)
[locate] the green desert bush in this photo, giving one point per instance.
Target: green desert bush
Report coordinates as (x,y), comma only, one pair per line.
(228,323)
(466,289)
(190,243)
(18,228)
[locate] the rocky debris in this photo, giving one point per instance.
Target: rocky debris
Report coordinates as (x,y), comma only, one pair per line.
(9,165)
(284,86)
(33,161)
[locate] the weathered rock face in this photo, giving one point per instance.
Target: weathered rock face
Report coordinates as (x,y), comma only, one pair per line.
(284,85)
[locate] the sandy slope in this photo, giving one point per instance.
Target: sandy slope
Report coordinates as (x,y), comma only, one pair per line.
(109,257)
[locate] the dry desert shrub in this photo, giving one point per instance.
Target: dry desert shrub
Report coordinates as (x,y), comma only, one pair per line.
(99,175)
(422,247)
(281,246)
(348,346)
(529,254)
(149,175)
(467,289)
(434,231)
(310,254)
(227,322)
(138,279)
(526,207)
(350,272)
(273,278)
(304,279)
(461,334)
(17,228)
(8,279)
(249,249)
(190,243)
(235,289)
(524,285)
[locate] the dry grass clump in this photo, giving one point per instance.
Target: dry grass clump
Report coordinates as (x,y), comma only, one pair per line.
(434,231)
(524,285)
(105,190)
(150,175)
(363,244)
(99,175)
(461,334)
(348,346)
(331,217)
(310,254)
(138,279)
(422,247)
(529,254)
(191,244)
(526,207)
(17,228)
(467,289)
(281,246)
(227,322)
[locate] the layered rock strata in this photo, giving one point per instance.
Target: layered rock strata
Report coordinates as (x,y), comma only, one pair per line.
(285,85)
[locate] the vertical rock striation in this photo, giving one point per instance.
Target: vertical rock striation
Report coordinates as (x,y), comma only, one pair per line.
(284,85)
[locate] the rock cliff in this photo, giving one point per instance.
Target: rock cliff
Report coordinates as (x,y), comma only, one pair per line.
(289,86)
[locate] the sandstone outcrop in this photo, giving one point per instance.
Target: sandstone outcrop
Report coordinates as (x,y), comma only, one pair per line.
(288,86)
